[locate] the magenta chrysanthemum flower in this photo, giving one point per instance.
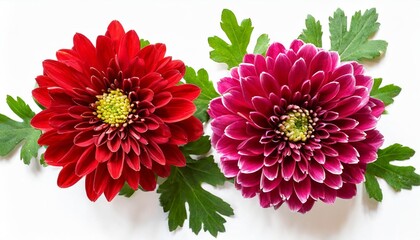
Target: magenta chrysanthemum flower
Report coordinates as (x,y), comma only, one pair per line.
(296,126)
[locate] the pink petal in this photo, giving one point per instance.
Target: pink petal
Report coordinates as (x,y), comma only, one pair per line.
(328,92)
(316,172)
(333,181)
(297,75)
(333,165)
(282,67)
(307,52)
(303,189)
(320,62)
(271,172)
(347,191)
(248,180)
(275,49)
(250,164)
(288,168)
(269,185)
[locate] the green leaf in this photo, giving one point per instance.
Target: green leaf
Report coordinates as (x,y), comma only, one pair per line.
(262,44)
(239,37)
(398,177)
(12,132)
(144,43)
(199,147)
(184,186)
(313,32)
(372,187)
(354,44)
(201,80)
(386,93)
(126,191)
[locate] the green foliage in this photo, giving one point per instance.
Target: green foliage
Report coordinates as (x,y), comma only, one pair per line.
(398,177)
(144,43)
(126,191)
(199,147)
(386,93)
(184,186)
(354,44)
(201,79)
(12,133)
(313,32)
(262,44)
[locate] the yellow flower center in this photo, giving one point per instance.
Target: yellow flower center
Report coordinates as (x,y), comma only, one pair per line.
(113,107)
(297,125)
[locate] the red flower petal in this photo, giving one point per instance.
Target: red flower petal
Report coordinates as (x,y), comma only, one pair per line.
(67,176)
(176,110)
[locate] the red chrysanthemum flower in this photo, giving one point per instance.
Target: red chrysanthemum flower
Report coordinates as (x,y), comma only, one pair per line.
(114,113)
(296,126)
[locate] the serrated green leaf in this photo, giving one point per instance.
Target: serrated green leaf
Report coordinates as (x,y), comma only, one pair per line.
(184,186)
(262,44)
(12,132)
(201,79)
(354,44)
(398,177)
(42,161)
(144,43)
(313,32)
(199,147)
(372,187)
(386,93)
(239,37)
(126,191)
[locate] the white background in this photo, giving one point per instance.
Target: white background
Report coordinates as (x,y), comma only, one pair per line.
(33,207)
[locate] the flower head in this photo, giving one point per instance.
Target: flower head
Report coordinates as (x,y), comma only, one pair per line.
(296,126)
(114,113)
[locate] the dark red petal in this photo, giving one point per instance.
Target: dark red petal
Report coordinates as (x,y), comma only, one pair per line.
(64,76)
(333,165)
(156,153)
(90,192)
(128,49)
(115,31)
(176,110)
(132,178)
(67,177)
(186,91)
(173,155)
(161,99)
(115,165)
(101,178)
(104,51)
(42,97)
(85,49)
(147,180)
(113,188)
(86,163)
